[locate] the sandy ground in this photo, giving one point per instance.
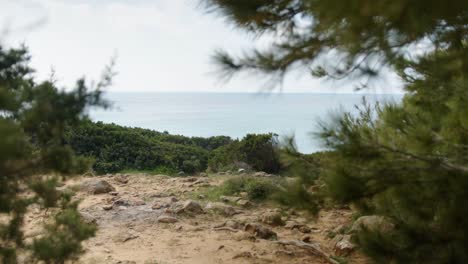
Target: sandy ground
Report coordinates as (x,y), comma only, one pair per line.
(129,232)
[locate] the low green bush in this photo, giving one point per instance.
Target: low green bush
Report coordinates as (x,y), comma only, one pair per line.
(257,189)
(259,151)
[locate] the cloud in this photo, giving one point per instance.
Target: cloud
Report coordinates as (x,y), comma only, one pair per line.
(162,45)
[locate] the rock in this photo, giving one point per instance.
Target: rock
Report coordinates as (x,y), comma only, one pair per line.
(181,173)
(272,218)
(373,223)
(190,207)
(230,199)
(203,174)
(114,193)
(167,219)
(306,239)
(305,229)
(96,186)
(261,231)
(121,178)
(241,171)
(122,202)
(108,207)
(244,194)
(221,208)
(138,202)
(344,246)
(157,206)
(201,196)
(244,203)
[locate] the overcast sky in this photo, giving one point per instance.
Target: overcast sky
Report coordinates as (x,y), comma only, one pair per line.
(161,45)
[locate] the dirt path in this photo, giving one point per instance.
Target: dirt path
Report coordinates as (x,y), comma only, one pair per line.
(130,232)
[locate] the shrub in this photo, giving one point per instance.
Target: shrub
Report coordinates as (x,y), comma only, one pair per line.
(256,189)
(116,148)
(259,151)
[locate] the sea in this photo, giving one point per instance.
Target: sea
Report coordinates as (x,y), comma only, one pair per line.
(234,114)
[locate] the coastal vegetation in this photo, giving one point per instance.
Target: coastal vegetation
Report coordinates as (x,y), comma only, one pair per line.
(116,148)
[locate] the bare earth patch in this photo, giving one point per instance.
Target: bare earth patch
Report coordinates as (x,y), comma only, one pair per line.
(150,219)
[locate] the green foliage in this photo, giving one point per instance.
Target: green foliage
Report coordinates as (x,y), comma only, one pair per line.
(257,189)
(116,148)
(33,120)
(259,151)
(407,162)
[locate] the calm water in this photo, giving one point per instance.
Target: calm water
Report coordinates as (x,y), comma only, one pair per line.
(211,114)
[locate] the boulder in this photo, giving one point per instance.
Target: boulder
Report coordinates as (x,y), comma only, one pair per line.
(343,245)
(167,219)
(190,207)
(221,208)
(120,178)
(272,218)
(261,231)
(244,203)
(97,186)
(373,223)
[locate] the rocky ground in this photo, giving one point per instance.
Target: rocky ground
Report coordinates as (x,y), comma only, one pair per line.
(159,219)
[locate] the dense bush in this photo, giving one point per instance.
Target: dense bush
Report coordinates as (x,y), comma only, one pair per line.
(257,189)
(117,148)
(259,151)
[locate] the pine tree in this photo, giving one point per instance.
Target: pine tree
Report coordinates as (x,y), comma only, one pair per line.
(407,162)
(34,159)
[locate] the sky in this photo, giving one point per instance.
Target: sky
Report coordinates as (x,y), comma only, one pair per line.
(159,45)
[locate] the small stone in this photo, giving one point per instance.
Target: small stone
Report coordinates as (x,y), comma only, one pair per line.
(139,202)
(221,208)
(167,219)
(201,196)
(244,203)
(240,170)
(230,199)
(96,186)
(190,207)
(114,193)
(344,246)
(157,206)
(306,239)
(305,229)
(108,207)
